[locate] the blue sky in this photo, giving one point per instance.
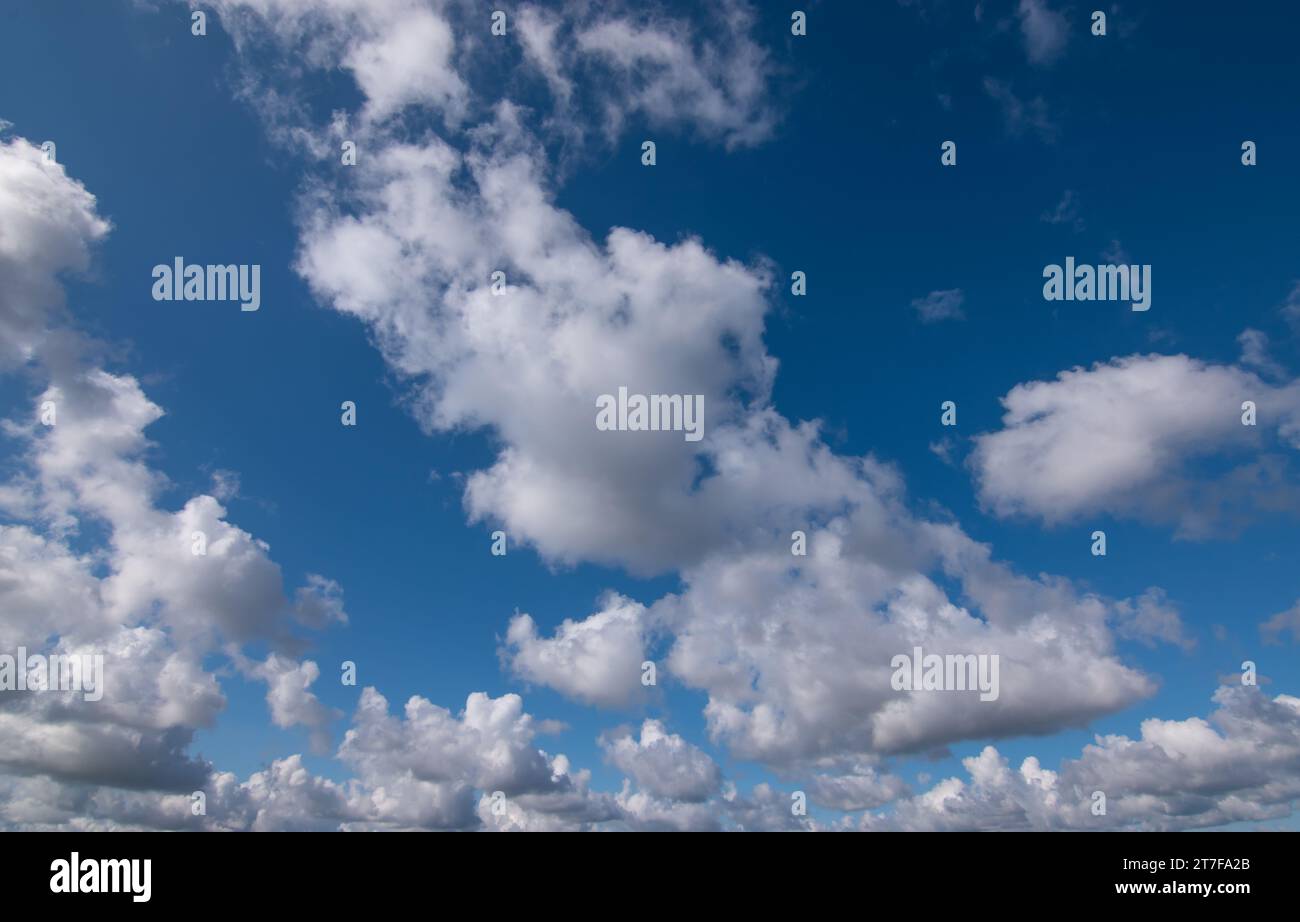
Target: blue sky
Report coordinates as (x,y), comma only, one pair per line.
(1132,140)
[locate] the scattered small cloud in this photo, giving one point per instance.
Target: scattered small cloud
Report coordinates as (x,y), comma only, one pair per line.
(943,449)
(225,485)
(1044,31)
(1254,354)
(1291,307)
(1019,114)
(1114,254)
(1282,623)
(940,305)
(1065,212)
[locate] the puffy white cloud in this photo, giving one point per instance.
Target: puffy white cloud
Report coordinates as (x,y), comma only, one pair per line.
(428,769)
(206,578)
(601,64)
(400,52)
(796,654)
(862,788)
(1241,765)
(578,320)
(134,592)
(663,764)
(490,745)
(793,654)
(1118,438)
(643,811)
(164,589)
(290,698)
(1043,29)
(596,660)
(50,224)
(46,588)
(767,809)
(424,768)
(286,796)
(569,806)
(405,60)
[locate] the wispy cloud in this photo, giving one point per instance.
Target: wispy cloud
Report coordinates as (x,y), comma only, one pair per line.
(1291,307)
(940,305)
(1019,114)
(1065,212)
